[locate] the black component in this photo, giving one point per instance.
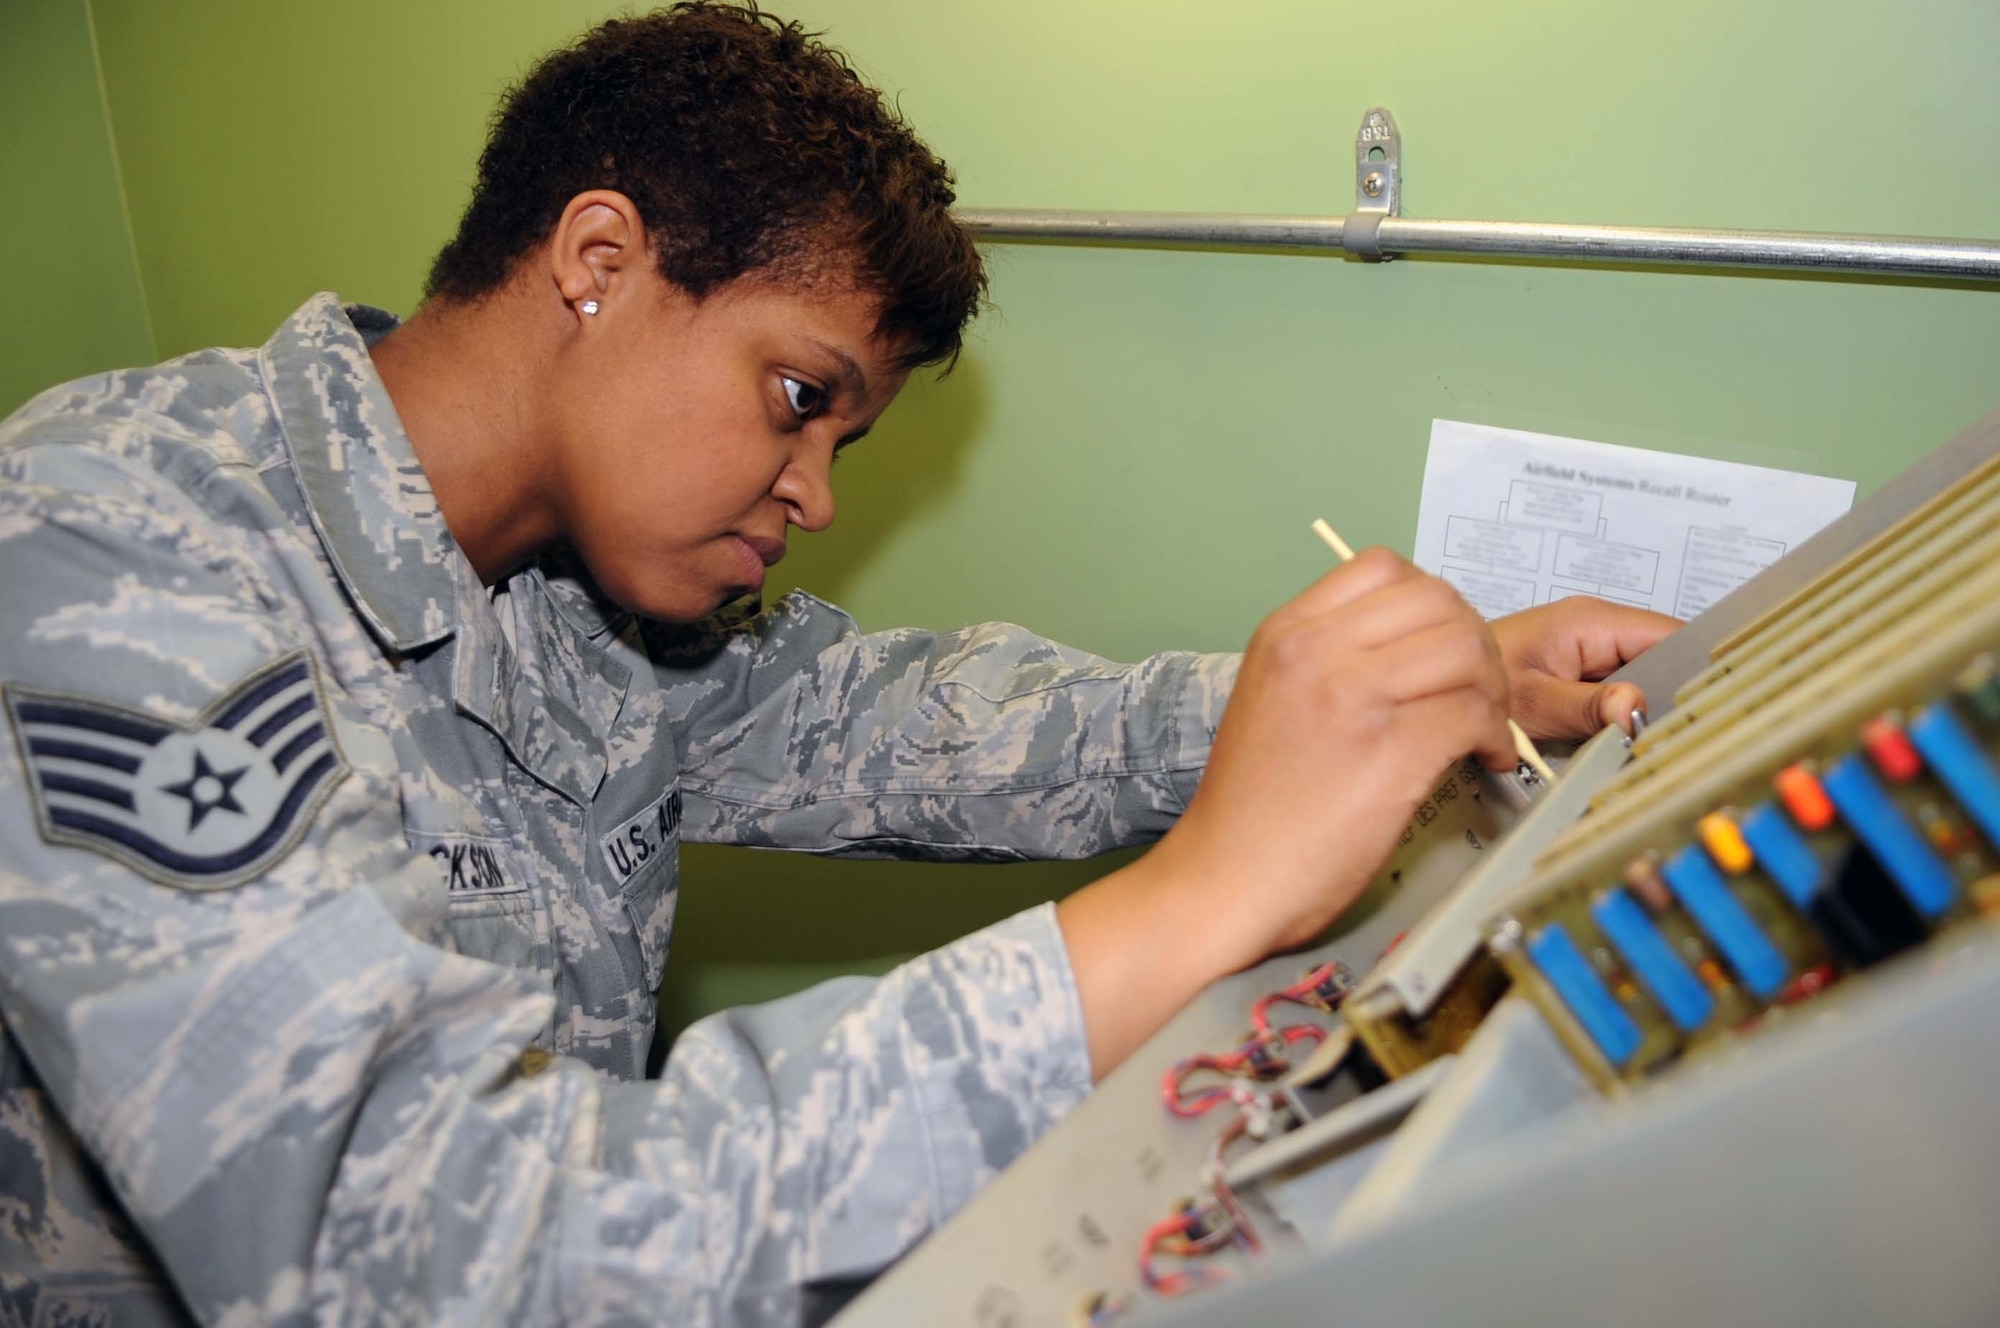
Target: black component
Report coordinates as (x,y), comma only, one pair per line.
(1268,1057)
(1335,986)
(1203,1223)
(1862,913)
(1367,1074)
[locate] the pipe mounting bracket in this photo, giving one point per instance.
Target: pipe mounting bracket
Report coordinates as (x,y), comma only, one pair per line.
(1378,184)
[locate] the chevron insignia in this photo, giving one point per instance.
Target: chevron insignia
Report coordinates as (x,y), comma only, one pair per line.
(202,806)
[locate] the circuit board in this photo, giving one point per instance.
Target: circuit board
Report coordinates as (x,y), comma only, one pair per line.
(1825,797)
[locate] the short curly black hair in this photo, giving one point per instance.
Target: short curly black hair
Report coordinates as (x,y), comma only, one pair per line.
(748,146)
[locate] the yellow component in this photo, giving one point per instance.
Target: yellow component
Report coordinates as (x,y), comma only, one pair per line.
(1399,1044)
(1724,842)
(1985,894)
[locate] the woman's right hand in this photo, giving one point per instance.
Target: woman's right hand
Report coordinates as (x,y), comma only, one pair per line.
(1351,700)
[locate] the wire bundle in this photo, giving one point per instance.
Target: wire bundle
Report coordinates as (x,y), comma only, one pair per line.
(1187,1233)
(1192,1230)
(1323,989)
(1268,1052)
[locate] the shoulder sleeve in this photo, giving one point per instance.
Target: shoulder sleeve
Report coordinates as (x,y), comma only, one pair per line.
(799,731)
(308,1106)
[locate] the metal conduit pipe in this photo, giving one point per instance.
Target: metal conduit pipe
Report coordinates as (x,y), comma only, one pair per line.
(1878,255)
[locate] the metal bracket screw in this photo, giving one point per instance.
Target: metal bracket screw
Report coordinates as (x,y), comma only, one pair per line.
(1378,166)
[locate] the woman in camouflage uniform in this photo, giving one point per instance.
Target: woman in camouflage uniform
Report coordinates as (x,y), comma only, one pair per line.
(354,736)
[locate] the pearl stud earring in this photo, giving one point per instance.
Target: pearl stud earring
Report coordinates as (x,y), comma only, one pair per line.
(588,306)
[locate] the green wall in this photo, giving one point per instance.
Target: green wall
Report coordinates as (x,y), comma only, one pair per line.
(1129,454)
(71,303)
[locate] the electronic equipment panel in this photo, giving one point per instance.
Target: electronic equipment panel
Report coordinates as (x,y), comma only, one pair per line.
(1824,797)
(1565,988)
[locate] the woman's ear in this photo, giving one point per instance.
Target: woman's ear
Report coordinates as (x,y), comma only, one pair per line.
(597,246)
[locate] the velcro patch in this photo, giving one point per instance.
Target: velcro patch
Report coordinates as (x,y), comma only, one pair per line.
(203,806)
(475,867)
(645,836)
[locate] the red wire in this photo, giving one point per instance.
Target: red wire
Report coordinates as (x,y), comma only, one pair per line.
(1264,1056)
(1229,1063)
(1169,1228)
(1170,1284)
(1303,992)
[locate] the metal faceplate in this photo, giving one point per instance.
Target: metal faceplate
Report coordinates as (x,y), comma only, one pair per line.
(1424,964)
(1065,1221)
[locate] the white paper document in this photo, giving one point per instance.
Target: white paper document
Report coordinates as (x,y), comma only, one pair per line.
(1515,519)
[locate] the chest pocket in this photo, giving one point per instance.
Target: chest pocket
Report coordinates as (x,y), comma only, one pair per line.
(493,909)
(642,853)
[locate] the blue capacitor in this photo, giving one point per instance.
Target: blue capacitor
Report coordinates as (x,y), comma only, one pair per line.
(1955,756)
(1653,961)
(1706,896)
(1556,955)
(1783,853)
(1866,806)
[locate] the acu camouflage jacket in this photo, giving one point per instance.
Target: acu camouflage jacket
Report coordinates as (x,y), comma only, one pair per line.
(335,888)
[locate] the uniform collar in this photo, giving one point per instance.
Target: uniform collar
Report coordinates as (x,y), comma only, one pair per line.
(548,687)
(552,691)
(369,501)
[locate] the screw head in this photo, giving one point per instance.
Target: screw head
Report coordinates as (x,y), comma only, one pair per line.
(1371,184)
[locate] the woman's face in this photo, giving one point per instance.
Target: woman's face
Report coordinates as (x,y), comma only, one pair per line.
(691,436)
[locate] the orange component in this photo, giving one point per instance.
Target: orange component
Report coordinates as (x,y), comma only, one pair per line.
(1944,836)
(1724,842)
(1800,791)
(1890,749)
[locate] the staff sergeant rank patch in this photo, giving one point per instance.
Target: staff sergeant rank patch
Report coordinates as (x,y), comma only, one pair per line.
(204,806)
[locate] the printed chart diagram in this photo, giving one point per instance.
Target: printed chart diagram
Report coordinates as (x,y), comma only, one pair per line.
(1514,519)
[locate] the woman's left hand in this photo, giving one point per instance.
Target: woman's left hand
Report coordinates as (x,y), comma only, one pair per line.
(1558,653)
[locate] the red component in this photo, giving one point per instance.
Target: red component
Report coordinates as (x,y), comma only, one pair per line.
(1185,1234)
(1799,789)
(1808,984)
(1890,749)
